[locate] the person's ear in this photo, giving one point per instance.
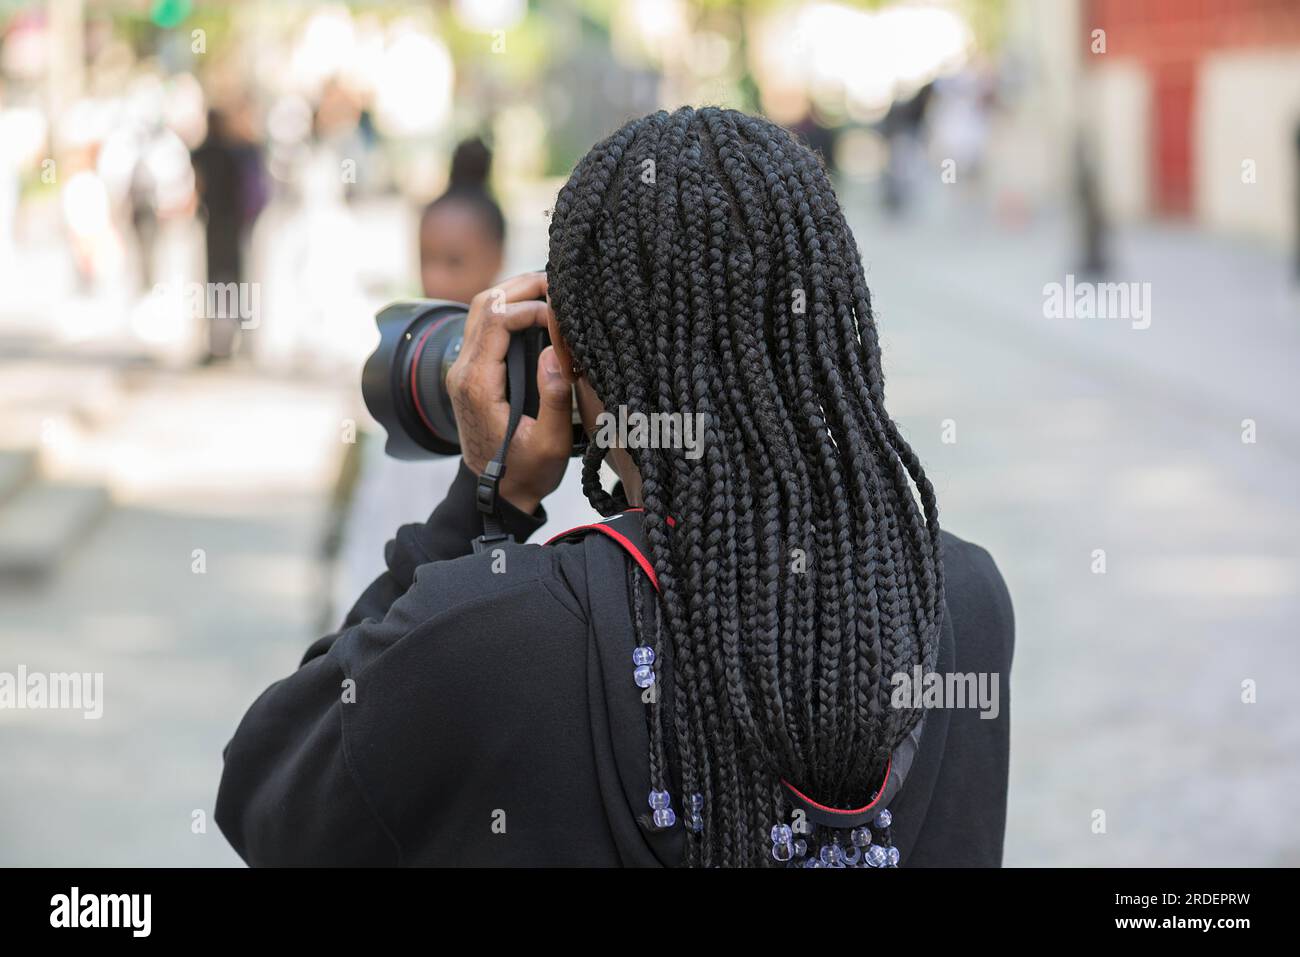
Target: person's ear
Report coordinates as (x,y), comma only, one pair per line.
(561,347)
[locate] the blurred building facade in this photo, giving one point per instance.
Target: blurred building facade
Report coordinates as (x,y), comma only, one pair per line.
(1198,108)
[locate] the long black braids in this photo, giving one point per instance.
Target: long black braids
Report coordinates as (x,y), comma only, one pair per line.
(700,264)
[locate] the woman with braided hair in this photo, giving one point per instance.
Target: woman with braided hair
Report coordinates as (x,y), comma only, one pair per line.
(727,670)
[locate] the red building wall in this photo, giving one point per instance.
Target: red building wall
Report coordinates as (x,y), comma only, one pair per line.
(1170,38)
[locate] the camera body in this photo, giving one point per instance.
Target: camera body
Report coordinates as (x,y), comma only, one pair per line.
(404,381)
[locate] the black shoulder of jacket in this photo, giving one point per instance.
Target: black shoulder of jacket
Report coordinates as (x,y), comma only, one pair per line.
(978,600)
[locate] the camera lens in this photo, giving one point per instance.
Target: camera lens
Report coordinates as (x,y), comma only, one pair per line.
(404,382)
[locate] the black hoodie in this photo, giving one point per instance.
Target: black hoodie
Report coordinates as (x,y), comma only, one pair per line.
(478,710)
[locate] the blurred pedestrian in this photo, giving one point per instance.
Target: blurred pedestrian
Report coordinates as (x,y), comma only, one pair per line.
(462,237)
(88,213)
(902,128)
(1092,219)
(1297,204)
(228,183)
(462,232)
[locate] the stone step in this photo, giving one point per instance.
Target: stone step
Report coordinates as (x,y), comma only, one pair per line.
(43,522)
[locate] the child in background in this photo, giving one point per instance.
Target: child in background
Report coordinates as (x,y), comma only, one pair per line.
(462,232)
(462,238)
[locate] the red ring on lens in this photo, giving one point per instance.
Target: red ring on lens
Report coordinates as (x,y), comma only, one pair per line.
(415,365)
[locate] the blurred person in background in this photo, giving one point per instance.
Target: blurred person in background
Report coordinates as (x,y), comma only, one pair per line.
(1296,209)
(88,213)
(142,199)
(161,187)
(959,120)
(343,129)
(1093,230)
(903,128)
(710,676)
(232,192)
(462,238)
(462,232)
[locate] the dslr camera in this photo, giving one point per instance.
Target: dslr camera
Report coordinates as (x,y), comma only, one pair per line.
(404,381)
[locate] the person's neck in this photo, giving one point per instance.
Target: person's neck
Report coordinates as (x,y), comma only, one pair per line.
(632,489)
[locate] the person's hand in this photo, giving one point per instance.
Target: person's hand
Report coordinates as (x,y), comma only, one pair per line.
(539,451)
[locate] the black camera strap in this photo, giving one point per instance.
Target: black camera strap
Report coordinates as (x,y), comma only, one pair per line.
(487,494)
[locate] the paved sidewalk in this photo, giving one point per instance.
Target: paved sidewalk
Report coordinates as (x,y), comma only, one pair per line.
(1076,435)
(239,467)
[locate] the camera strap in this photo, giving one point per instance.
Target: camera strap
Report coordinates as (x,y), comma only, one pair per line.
(487,494)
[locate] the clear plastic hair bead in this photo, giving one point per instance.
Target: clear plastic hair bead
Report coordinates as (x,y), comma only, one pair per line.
(831,855)
(783,852)
(781,834)
(800,847)
(694,807)
(660,800)
(644,676)
(877,856)
(861,836)
(643,655)
(884,818)
(893,856)
(853,856)
(664,817)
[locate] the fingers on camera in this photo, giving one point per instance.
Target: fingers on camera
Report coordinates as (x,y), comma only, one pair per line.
(491,337)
